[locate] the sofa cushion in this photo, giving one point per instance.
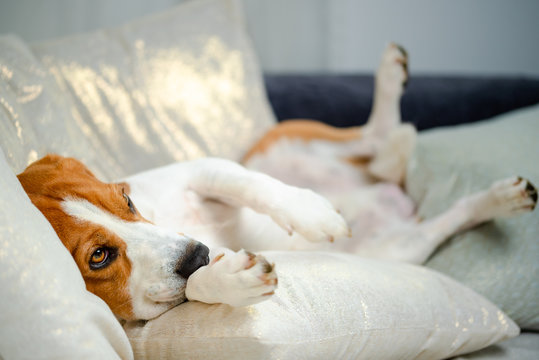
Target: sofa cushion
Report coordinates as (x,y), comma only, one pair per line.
(429,100)
(498,259)
(169,87)
(45,310)
(523,347)
(332,306)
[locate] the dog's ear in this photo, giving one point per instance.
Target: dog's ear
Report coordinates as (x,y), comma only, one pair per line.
(42,176)
(56,162)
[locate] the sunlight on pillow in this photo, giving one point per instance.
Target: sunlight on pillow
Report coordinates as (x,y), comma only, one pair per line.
(331,306)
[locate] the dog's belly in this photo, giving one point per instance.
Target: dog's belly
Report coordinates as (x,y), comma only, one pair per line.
(313,165)
(368,206)
(371,210)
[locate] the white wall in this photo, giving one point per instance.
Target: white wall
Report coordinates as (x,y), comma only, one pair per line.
(36,20)
(443,36)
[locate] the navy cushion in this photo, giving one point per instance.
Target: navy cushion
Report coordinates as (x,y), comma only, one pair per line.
(429,101)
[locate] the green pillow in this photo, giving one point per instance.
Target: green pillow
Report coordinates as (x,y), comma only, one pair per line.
(499,259)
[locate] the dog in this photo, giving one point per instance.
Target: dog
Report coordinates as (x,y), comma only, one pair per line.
(143,260)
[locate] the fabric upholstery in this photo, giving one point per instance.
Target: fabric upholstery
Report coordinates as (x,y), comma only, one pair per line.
(523,347)
(429,101)
(498,259)
(165,88)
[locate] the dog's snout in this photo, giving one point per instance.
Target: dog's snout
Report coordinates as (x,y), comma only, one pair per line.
(192,260)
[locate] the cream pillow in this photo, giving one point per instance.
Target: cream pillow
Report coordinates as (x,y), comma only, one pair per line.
(45,310)
(168,87)
(332,306)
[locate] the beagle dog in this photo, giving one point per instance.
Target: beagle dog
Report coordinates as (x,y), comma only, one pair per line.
(136,242)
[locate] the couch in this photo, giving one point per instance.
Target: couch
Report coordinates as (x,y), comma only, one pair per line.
(185,84)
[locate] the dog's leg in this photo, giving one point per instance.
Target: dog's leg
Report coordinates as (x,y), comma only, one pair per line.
(415,243)
(294,209)
(394,141)
(236,279)
(391,159)
(391,78)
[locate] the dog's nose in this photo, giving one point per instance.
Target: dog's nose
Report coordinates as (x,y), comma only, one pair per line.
(193,260)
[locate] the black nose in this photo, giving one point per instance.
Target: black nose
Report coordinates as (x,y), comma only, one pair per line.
(195,257)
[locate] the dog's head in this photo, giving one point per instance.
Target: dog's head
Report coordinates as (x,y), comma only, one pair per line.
(139,269)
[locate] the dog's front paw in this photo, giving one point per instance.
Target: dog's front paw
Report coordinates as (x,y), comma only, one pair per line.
(237,279)
(310,215)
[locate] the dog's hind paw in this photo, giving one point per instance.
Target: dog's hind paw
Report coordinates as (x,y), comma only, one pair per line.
(514,196)
(392,75)
(237,279)
(509,197)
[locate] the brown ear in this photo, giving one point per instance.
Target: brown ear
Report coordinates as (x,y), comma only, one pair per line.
(40,176)
(55,161)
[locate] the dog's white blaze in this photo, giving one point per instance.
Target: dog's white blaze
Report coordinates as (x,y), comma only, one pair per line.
(153,252)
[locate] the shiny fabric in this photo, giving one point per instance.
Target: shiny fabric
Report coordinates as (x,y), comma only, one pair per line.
(500,260)
(45,310)
(170,87)
(34,116)
(332,306)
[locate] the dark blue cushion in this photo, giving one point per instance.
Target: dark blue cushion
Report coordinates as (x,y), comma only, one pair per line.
(429,101)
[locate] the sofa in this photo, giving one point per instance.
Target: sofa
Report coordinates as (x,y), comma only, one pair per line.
(186,83)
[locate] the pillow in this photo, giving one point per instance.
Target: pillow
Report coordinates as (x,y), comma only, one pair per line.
(331,306)
(169,87)
(498,259)
(45,310)
(36,117)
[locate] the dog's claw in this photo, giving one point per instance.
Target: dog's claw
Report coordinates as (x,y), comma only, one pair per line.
(531,190)
(217,258)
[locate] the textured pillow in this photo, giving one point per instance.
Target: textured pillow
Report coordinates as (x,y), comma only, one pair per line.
(45,310)
(332,306)
(169,87)
(500,260)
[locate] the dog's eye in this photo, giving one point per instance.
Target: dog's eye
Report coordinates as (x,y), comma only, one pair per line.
(130,203)
(99,258)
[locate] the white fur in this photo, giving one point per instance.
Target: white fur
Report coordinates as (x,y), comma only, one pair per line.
(153,251)
(232,280)
(226,206)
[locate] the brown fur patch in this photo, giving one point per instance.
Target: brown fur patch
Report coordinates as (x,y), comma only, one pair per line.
(306,130)
(54,178)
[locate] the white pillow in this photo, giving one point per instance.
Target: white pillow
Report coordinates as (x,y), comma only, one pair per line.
(332,306)
(168,87)
(45,310)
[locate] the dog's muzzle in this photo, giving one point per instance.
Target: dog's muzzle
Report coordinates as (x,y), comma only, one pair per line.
(195,258)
